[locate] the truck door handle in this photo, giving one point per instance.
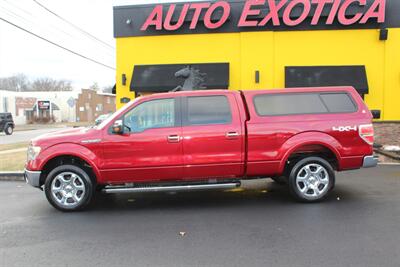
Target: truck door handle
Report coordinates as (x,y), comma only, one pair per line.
(173,138)
(232,134)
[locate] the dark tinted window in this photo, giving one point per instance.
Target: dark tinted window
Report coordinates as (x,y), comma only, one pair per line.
(288,104)
(208,110)
(338,102)
(308,103)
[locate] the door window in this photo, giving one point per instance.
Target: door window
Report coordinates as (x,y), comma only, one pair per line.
(205,110)
(158,113)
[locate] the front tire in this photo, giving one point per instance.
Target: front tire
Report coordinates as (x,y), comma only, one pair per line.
(69,188)
(8,130)
(311,179)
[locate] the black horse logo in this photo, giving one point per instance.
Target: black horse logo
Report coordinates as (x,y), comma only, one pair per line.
(194,79)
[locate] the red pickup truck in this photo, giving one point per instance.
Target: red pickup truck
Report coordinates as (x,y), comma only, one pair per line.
(208,140)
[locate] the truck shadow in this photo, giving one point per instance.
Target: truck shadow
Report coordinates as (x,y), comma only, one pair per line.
(272,195)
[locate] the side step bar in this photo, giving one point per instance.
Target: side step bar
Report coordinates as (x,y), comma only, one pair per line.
(173,188)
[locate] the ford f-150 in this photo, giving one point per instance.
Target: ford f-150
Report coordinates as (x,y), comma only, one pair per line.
(208,140)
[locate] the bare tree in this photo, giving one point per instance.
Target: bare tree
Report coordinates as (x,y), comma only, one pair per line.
(49,84)
(21,83)
(95,86)
(18,83)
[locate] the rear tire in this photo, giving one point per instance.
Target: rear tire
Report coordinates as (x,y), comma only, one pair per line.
(69,188)
(311,179)
(8,130)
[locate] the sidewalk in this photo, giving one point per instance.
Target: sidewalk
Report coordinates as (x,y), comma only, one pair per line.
(30,127)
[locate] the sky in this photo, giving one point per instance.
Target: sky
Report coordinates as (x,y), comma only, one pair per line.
(21,52)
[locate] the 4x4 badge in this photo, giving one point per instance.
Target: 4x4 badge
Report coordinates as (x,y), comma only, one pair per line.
(344,128)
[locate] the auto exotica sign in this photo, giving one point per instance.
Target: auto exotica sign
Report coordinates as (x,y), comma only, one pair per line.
(279,13)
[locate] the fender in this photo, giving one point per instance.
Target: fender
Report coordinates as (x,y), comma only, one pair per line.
(67,149)
(309,138)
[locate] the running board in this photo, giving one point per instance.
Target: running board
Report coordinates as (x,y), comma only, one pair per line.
(173,188)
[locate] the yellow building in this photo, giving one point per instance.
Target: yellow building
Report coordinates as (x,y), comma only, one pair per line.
(346,44)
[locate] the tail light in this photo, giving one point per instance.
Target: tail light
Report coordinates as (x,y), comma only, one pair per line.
(366,132)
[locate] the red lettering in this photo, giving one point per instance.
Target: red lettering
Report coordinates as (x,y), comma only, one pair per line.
(198,7)
(273,13)
(373,13)
(342,12)
(155,18)
(247,11)
(167,23)
(320,7)
(333,12)
(286,14)
(226,12)
(338,9)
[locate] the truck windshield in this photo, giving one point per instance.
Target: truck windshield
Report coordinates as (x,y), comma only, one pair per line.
(117,114)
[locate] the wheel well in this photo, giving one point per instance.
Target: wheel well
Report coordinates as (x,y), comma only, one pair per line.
(63,160)
(313,150)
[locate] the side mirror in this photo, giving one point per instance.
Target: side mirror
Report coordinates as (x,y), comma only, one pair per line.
(117,127)
(376,114)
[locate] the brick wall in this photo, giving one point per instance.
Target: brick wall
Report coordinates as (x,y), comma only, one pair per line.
(387,133)
(91,104)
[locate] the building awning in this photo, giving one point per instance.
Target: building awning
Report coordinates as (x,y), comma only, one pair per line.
(180,77)
(53,107)
(315,76)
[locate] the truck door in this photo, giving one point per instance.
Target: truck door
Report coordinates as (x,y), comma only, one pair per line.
(213,137)
(151,150)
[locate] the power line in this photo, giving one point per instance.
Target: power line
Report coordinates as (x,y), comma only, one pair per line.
(9,11)
(55,44)
(71,24)
(47,26)
(23,10)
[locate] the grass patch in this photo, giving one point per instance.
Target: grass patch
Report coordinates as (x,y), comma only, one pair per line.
(13,161)
(14,146)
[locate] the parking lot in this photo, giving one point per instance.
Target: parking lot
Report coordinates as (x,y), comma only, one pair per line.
(24,136)
(359,225)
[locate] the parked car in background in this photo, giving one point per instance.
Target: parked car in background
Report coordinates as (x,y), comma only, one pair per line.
(6,123)
(102,118)
(208,140)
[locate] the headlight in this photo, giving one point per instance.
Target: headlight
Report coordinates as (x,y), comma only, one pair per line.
(33,152)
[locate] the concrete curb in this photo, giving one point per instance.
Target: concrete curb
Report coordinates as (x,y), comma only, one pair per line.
(11,176)
(388,154)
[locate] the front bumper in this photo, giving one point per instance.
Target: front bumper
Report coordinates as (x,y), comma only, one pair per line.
(32,178)
(370,161)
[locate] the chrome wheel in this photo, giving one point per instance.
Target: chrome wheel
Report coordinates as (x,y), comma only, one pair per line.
(312,181)
(68,189)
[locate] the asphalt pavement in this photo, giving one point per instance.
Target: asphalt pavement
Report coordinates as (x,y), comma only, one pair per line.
(358,225)
(24,136)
